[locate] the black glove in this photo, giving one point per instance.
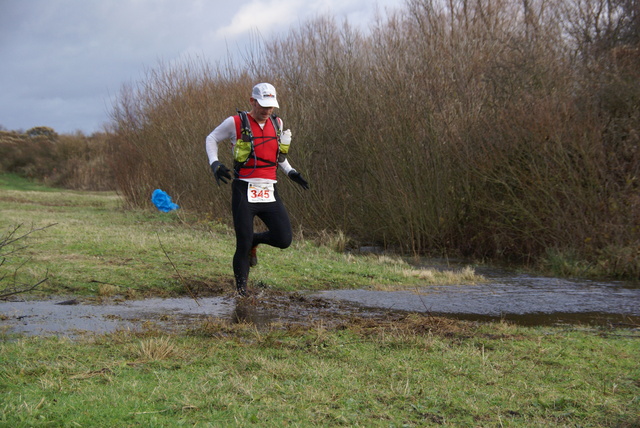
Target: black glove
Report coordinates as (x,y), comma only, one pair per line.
(220,172)
(295,176)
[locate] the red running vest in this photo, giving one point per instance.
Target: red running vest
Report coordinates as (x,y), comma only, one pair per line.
(265,146)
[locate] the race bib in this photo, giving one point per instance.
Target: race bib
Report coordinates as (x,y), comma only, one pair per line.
(263,192)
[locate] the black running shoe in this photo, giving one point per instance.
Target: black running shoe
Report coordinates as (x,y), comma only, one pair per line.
(242,291)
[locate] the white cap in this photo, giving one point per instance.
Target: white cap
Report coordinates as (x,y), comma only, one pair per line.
(265,94)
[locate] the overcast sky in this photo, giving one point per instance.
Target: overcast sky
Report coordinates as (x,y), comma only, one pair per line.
(63,61)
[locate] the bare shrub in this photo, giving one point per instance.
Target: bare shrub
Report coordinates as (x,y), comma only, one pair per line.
(159,127)
(11,249)
(82,163)
(490,129)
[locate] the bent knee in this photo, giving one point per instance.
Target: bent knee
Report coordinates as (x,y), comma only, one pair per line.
(284,242)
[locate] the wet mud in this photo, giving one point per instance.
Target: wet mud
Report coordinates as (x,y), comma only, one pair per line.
(522,299)
(264,308)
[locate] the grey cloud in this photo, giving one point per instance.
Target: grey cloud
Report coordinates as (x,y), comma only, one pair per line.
(63,59)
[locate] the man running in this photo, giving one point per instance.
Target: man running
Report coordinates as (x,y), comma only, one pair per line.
(259,147)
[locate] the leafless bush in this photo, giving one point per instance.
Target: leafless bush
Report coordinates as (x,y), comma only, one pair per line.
(159,131)
(493,128)
(12,246)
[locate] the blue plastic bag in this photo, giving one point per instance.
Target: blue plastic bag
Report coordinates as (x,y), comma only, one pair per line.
(162,201)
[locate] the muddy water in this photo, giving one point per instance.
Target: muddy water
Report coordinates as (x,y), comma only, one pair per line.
(71,317)
(85,316)
(526,299)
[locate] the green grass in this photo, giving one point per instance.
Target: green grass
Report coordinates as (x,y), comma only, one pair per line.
(15,182)
(411,370)
(90,240)
(418,371)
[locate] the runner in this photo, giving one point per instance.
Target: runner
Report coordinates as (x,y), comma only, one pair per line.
(259,147)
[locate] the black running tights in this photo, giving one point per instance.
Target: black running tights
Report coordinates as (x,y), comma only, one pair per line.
(273,214)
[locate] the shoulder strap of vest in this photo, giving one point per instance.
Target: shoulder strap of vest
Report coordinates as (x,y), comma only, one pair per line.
(276,125)
(247,136)
(245,126)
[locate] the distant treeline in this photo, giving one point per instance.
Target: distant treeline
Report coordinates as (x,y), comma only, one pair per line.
(70,161)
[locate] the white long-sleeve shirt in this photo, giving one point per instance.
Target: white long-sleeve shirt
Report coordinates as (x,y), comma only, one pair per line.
(227,131)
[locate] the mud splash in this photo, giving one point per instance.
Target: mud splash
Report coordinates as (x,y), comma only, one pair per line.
(174,315)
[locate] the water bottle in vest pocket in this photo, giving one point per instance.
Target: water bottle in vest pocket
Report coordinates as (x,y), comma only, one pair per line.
(285,141)
(242,150)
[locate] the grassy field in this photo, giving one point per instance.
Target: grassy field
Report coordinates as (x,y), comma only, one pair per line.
(389,370)
(89,239)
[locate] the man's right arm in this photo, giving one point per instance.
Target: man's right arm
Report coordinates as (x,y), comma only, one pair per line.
(226,130)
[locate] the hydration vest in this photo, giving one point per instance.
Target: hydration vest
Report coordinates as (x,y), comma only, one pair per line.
(255,153)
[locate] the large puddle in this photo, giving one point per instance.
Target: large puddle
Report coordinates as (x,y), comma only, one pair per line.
(524,299)
(71,317)
(80,316)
